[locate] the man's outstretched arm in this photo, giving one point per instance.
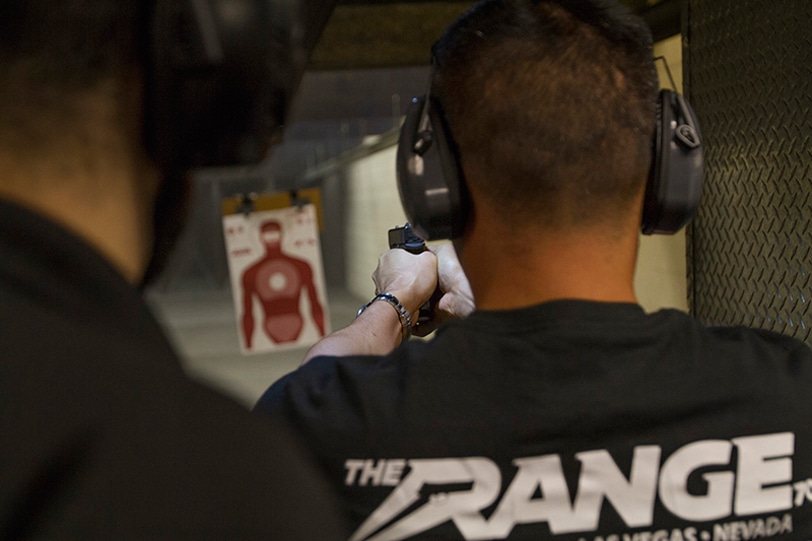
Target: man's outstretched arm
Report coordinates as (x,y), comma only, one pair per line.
(411,279)
(379,329)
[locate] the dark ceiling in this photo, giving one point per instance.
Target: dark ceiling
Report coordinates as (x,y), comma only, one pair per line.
(381,33)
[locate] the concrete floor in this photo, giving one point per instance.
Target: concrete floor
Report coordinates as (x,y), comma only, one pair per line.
(202,326)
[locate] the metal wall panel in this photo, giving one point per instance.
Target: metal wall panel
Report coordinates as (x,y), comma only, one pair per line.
(749,76)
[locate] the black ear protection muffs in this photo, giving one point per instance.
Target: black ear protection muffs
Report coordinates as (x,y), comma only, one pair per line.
(675,179)
(221,74)
(430,183)
(432,188)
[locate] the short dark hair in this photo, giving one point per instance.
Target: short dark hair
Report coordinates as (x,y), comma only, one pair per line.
(554,102)
(51,52)
(75,42)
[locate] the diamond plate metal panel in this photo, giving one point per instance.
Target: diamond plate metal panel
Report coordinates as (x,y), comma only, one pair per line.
(749,78)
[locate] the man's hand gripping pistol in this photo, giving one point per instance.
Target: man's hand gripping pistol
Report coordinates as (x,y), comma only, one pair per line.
(406,239)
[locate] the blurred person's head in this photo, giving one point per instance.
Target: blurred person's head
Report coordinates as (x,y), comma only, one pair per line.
(106,106)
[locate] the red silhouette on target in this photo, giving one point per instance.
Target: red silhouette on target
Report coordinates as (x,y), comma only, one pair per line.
(277,281)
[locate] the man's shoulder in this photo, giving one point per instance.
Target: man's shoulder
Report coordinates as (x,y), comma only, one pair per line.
(737,338)
(760,345)
(161,455)
(337,382)
(740,332)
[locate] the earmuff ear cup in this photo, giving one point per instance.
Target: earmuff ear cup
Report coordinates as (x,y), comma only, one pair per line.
(429,176)
(675,178)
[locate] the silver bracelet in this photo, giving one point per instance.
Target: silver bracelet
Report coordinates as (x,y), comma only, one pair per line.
(403,314)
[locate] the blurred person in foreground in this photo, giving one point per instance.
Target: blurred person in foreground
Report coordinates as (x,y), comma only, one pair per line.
(104,108)
(556,409)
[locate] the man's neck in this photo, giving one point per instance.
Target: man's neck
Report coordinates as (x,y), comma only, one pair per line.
(109,207)
(112,222)
(92,176)
(513,270)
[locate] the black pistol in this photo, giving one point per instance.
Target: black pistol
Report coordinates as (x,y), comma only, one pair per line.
(406,239)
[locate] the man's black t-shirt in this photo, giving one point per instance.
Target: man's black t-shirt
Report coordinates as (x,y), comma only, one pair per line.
(570,420)
(101,434)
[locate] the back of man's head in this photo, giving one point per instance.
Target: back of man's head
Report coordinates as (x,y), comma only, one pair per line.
(72,42)
(551,104)
(56,59)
